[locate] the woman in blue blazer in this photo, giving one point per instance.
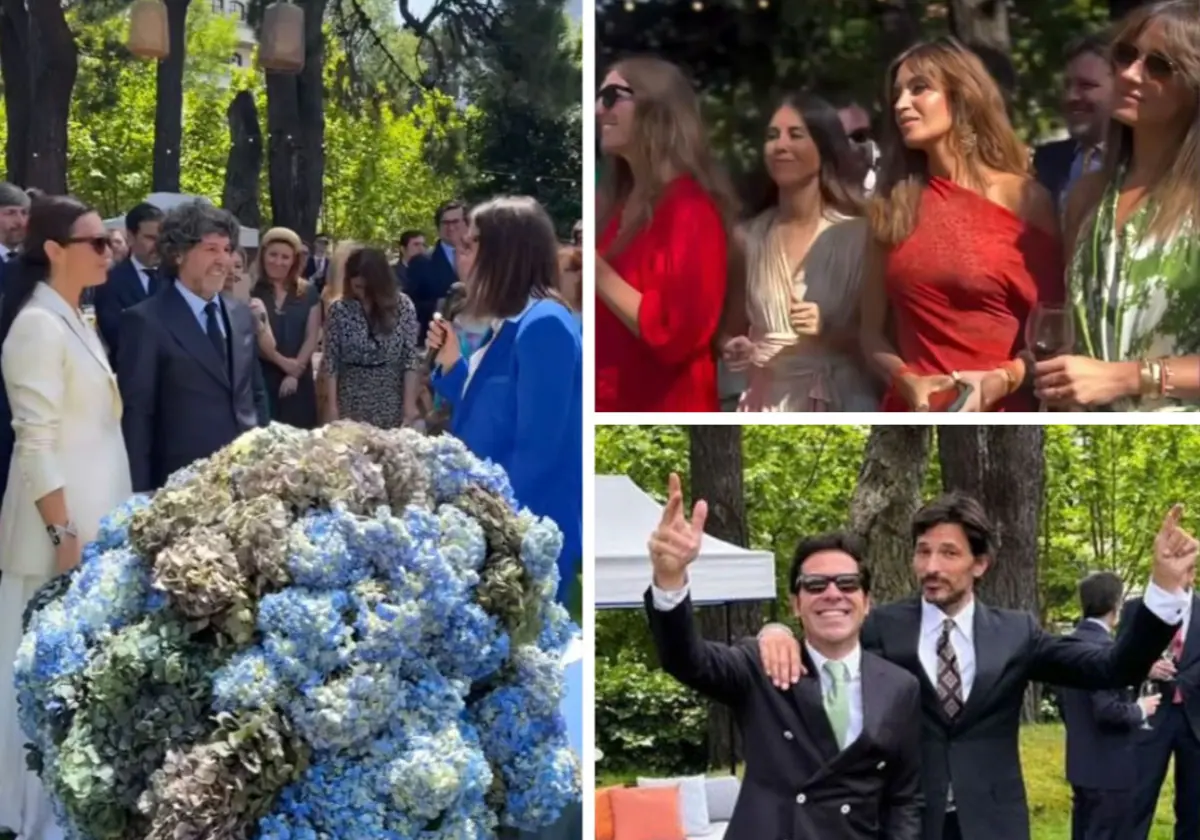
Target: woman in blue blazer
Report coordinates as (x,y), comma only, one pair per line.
(518,399)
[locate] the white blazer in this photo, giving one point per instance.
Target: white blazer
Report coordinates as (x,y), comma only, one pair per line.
(66,411)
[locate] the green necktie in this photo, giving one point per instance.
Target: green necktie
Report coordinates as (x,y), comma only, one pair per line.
(837,700)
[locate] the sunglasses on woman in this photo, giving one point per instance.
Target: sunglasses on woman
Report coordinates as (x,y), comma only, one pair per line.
(100,244)
(817,584)
(610,95)
(1158,66)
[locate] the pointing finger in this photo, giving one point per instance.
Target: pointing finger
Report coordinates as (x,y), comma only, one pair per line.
(1174,515)
(699,515)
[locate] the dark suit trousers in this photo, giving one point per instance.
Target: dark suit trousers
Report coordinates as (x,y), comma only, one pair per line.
(951,830)
(1100,814)
(1171,735)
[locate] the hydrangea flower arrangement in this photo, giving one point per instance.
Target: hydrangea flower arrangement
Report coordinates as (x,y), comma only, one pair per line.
(348,633)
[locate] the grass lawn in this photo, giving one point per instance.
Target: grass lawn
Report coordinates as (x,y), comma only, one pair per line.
(1047,789)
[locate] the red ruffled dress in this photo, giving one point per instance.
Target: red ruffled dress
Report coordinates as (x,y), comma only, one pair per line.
(678,263)
(962,286)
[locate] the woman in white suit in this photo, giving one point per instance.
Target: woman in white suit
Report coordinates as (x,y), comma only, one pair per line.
(69,465)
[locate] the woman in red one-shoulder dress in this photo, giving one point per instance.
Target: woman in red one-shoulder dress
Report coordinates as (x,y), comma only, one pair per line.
(966,242)
(661,262)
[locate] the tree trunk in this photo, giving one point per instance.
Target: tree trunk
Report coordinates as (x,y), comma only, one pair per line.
(245,161)
(296,125)
(715,454)
(886,496)
(983,26)
(168,107)
(54,61)
(18,84)
(1004,468)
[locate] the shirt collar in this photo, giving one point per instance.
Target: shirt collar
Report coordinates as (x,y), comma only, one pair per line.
(932,619)
(6,253)
(194,300)
(853,660)
(1107,629)
(137,264)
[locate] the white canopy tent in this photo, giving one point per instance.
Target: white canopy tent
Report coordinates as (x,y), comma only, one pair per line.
(168,201)
(625,517)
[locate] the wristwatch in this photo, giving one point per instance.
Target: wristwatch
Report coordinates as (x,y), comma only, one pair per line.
(60,532)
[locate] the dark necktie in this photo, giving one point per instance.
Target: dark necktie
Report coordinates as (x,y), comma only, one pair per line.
(151,281)
(214,329)
(949,681)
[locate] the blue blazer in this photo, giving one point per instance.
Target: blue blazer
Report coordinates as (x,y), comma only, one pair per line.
(523,409)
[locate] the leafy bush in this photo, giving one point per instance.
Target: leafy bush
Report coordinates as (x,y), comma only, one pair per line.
(646,720)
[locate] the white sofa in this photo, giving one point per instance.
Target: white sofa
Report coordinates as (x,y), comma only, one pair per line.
(721,793)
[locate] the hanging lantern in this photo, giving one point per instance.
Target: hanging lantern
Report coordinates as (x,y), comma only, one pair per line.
(282,48)
(149,36)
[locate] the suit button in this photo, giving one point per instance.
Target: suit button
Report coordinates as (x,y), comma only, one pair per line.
(845,809)
(881,765)
(787,733)
(801,799)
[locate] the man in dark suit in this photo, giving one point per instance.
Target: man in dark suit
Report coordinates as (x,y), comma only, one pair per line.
(410,245)
(187,355)
(837,757)
(1102,727)
(975,662)
(1174,729)
(14,216)
(430,276)
(1088,85)
(317,267)
(132,280)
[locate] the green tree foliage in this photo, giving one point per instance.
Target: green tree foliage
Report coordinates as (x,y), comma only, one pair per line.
(529,135)
(1107,488)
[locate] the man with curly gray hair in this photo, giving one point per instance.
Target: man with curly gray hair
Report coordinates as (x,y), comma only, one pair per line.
(187,358)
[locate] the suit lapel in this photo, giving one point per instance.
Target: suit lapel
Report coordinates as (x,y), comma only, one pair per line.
(49,299)
(903,647)
(242,351)
(498,351)
(182,323)
(989,661)
(133,293)
(810,703)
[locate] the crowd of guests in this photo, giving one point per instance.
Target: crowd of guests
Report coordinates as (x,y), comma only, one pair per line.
(901,720)
(119,372)
(943,265)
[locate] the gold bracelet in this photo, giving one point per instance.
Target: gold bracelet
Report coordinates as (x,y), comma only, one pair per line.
(1149,375)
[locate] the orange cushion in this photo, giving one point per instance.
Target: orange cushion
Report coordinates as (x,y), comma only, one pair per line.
(604,814)
(647,814)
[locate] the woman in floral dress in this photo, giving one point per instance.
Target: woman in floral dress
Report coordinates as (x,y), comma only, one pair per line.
(1134,268)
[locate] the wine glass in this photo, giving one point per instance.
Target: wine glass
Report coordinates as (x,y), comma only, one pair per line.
(1049,332)
(1148,689)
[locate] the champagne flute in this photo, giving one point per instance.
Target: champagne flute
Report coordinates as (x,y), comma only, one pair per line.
(1049,332)
(1148,689)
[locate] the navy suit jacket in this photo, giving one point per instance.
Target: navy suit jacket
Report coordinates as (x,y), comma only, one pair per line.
(122,290)
(181,403)
(1102,728)
(523,409)
(1187,674)
(1052,164)
(430,277)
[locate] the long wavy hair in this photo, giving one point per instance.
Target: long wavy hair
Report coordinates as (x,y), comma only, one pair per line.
(335,274)
(51,219)
(669,140)
(380,297)
(982,137)
(839,178)
(1175,196)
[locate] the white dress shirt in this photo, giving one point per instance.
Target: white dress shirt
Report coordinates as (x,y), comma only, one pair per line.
(7,253)
(962,639)
(142,273)
(198,304)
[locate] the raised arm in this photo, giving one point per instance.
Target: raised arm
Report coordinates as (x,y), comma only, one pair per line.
(1064,660)
(718,671)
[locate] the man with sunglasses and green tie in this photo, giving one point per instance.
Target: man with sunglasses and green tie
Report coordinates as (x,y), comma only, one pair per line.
(975,663)
(835,757)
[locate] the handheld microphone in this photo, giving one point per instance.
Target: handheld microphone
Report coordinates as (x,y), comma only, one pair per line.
(431,354)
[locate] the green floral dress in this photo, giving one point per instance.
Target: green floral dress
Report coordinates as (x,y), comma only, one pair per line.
(1135,296)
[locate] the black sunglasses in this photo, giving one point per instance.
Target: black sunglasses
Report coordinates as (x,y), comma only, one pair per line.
(862,135)
(100,244)
(1158,66)
(817,584)
(610,95)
